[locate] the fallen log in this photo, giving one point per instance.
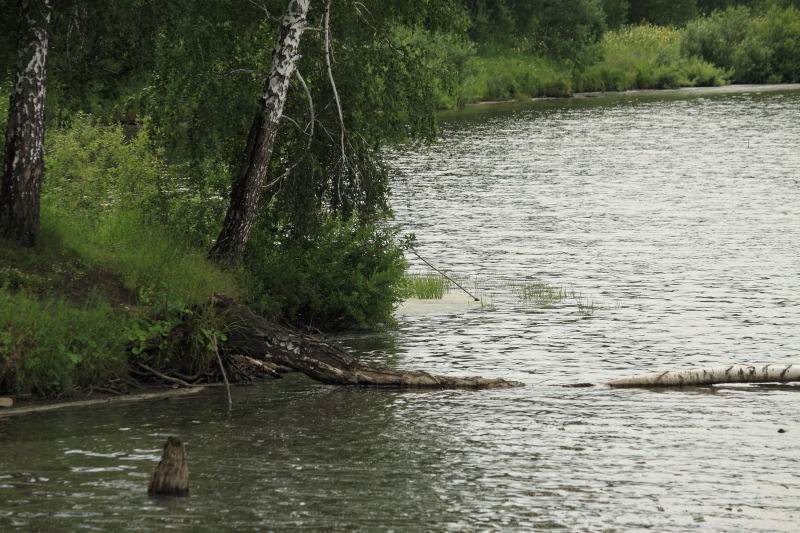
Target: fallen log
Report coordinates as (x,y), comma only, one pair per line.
(171,476)
(323,360)
(711,376)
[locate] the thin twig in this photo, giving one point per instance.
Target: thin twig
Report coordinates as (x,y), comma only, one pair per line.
(445,275)
(110,391)
(333,85)
(224,375)
(266,11)
(310,107)
(164,376)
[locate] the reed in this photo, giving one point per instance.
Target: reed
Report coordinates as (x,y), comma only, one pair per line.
(426,285)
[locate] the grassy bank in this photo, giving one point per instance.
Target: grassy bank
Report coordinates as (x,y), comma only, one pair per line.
(737,45)
(635,57)
(119,274)
(92,300)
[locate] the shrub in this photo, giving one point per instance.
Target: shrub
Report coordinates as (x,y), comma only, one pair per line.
(755,49)
(716,38)
(50,347)
(647,57)
(347,274)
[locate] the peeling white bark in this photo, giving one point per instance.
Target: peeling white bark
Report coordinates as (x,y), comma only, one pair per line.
(24,144)
(710,376)
(249,183)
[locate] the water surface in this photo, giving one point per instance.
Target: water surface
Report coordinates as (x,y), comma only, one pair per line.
(680,210)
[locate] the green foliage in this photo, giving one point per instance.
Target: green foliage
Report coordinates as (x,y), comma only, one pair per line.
(386,91)
(646,57)
(445,53)
(95,170)
(49,347)
(662,12)
(566,31)
(756,48)
(716,38)
(344,275)
(512,74)
(616,13)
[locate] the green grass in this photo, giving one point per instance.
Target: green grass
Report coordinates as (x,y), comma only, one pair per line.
(74,309)
(634,57)
(426,285)
(511,74)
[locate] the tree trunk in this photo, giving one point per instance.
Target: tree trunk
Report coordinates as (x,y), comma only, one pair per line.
(710,376)
(326,361)
(21,183)
(253,169)
(171,476)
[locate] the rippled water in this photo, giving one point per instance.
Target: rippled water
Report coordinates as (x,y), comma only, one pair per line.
(680,211)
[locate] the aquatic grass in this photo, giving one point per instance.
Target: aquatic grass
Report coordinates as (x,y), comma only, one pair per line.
(426,285)
(545,296)
(540,294)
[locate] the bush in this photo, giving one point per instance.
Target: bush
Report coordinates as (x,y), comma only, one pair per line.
(503,75)
(50,347)
(647,57)
(345,275)
(755,49)
(716,38)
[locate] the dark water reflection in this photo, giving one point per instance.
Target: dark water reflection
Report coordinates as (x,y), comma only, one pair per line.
(654,200)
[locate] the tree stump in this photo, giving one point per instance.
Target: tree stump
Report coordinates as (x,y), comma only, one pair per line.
(171,476)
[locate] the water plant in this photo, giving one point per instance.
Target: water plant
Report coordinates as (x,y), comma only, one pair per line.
(545,296)
(426,285)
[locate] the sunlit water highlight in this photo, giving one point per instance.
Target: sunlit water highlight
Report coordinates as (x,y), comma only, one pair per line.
(683,207)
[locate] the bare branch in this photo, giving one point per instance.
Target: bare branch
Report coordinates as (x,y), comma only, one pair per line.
(333,86)
(310,107)
(266,11)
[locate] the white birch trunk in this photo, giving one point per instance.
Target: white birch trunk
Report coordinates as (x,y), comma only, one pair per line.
(249,182)
(21,182)
(710,376)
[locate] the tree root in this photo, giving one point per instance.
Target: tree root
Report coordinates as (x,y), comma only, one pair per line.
(323,360)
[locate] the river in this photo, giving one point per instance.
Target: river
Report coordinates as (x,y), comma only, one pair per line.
(675,213)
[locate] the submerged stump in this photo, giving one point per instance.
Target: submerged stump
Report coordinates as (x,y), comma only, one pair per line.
(171,476)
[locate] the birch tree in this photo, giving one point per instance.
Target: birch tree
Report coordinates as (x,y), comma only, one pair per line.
(24,143)
(247,187)
(711,376)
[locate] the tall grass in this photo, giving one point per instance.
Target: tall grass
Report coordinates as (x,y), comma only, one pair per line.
(511,74)
(50,347)
(634,57)
(426,285)
(108,278)
(646,57)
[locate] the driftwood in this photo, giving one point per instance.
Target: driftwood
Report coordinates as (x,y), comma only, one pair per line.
(325,361)
(711,376)
(171,476)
